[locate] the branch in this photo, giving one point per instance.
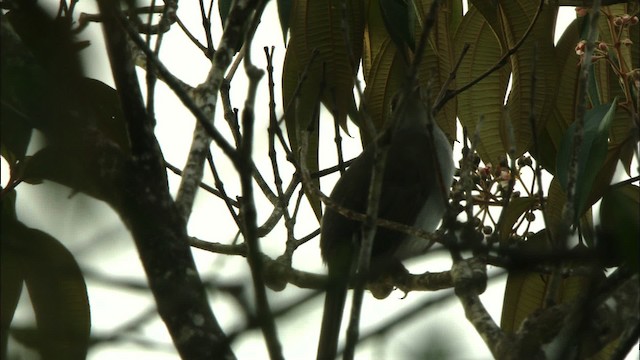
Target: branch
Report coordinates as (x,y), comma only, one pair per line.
(206,96)
(157,227)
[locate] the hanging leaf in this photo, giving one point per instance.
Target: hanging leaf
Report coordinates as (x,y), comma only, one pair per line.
(66,166)
(383,68)
(533,55)
(56,288)
(11,274)
(591,154)
(485,99)
(440,58)
(526,290)
(284,13)
(224,7)
(563,113)
(620,222)
(318,27)
(399,18)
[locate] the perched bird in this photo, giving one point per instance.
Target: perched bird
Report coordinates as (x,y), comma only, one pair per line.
(412,194)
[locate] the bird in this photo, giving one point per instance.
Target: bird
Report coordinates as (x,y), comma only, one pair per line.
(414,193)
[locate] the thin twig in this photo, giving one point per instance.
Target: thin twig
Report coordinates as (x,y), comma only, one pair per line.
(249,213)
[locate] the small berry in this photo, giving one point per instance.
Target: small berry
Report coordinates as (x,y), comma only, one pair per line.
(617,21)
(530,216)
(603,46)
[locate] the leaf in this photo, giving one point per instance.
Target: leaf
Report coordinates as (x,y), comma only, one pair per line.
(56,288)
(553,211)
(591,155)
(399,18)
(15,134)
(530,60)
(526,290)
(485,99)
(620,221)
(10,272)
(224,7)
(440,58)
(563,113)
(284,13)
(66,166)
(103,104)
(317,26)
(384,80)
(383,69)
(489,11)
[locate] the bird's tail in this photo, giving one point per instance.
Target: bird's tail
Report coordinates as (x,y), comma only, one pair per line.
(332,316)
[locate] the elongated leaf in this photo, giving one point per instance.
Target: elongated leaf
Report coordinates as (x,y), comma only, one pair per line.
(318,26)
(553,214)
(65,166)
(399,17)
(383,67)
(620,221)
(564,106)
(384,80)
(490,12)
(530,61)
(284,14)
(485,99)
(591,155)
(440,58)
(56,288)
(10,270)
(526,290)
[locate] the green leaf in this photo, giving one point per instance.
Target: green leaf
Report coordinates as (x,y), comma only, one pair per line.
(490,12)
(593,91)
(15,134)
(284,13)
(224,7)
(526,290)
(383,81)
(563,113)
(57,291)
(399,18)
(553,211)
(439,60)
(66,166)
(533,55)
(485,99)
(317,26)
(620,221)
(591,155)
(59,296)
(103,103)
(383,69)
(10,271)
